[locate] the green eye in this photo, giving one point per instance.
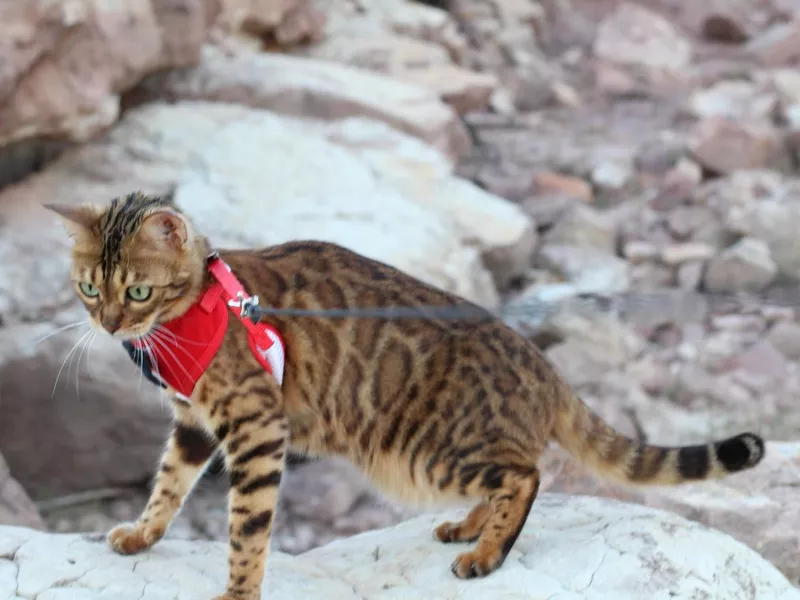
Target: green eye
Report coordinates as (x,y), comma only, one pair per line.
(89,289)
(140,293)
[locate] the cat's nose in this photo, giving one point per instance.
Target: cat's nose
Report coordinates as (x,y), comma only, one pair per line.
(111,324)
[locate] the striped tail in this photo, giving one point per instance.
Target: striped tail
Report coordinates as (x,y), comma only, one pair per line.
(593,442)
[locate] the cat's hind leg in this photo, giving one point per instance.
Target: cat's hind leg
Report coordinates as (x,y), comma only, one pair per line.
(510,493)
(467,530)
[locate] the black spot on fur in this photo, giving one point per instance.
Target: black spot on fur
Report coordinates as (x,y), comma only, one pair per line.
(194,444)
(740,452)
(257,523)
(693,462)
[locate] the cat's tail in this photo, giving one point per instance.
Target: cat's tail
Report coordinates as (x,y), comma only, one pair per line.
(594,443)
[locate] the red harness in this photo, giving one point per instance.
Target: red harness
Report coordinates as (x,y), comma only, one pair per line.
(180,351)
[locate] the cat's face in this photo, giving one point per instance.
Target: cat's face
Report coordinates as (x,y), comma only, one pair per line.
(135,262)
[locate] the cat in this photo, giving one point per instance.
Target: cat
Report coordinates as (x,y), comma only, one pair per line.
(429,410)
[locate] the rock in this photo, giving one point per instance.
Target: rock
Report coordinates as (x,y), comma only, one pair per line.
(745,266)
(639,251)
(677,254)
(324,490)
(416,61)
(288,22)
(104,427)
(594,344)
(677,186)
(634,35)
(759,204)
(723,21)
(761,358)
(549,182)
(777,46)
(66,63)
(16,508)
(785,337)
(315,89)
(737,100)
(723,145)
(586,268)
(757,508)
(641,551)
(584,226)
(787,83)
(464,90)
(612,175)
(220,156)
(690,274)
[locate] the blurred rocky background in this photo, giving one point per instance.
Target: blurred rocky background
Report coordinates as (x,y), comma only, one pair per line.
(517,152)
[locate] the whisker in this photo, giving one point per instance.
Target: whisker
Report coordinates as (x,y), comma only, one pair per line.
(69,354)
(78,364)
(162,344)
(60,329)
(155,358)
(175,337)
(175,346)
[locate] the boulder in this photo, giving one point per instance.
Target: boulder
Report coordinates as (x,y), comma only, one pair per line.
(65,63)
(757,508)
(724,145)
(745,266)
(305,87)
(637,36)
(249,178)
(572,547)
(16,508)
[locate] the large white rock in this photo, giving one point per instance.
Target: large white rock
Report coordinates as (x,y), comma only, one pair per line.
(250,178)
(572,548)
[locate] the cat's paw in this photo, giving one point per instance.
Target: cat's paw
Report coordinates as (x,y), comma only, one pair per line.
(132,539)
(229,596)
(470,565)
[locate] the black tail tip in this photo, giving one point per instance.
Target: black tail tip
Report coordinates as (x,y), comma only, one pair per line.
(741,452)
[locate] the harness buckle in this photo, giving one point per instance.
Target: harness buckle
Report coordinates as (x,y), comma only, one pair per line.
(244,304)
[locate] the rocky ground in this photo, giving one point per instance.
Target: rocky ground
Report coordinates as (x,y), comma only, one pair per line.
(649,151)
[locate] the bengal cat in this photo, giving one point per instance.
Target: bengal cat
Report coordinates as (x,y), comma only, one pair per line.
(430,410)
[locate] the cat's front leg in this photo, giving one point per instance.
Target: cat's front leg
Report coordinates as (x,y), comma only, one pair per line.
(187,453)
(254,446)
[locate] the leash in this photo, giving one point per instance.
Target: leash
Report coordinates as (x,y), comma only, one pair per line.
(660,306)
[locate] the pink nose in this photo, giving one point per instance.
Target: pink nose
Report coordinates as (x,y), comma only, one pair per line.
(111,324)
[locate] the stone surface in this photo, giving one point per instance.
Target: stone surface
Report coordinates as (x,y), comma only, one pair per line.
(314,88)
(577,547)
(67,62)
(380,192)
(757,508)
(745,266)
(635,35)
(777,46)
(735,100)
(724,145)
(584,226)
(588,269)
(288,22)
(785,337)
(16,508)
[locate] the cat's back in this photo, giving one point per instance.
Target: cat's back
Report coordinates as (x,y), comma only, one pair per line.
(334,275)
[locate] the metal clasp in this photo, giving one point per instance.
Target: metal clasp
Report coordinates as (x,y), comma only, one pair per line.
(244,304)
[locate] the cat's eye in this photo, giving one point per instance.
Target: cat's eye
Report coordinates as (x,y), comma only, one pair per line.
(139,293)
(89,289)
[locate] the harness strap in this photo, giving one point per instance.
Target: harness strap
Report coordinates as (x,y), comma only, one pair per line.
(265,341)
(233,290)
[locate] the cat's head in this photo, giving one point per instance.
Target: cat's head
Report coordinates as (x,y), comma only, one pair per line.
(136,262)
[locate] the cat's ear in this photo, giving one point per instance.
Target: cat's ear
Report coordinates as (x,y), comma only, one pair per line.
(164,229)
(79,220)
